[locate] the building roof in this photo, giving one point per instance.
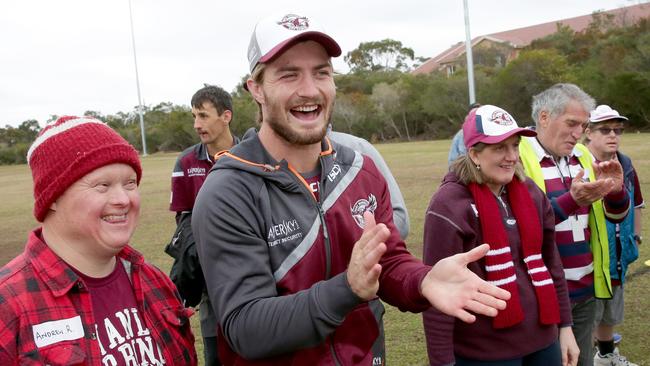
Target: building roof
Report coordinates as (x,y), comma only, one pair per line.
(522,37)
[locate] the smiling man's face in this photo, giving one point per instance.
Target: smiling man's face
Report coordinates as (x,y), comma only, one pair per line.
(297,94)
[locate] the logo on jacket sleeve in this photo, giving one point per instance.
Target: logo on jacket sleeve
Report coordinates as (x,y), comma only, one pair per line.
(362,206)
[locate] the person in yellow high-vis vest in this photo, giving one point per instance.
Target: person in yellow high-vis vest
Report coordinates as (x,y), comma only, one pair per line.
(582,194)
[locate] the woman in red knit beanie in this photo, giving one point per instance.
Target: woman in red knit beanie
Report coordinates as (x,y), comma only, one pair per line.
(485,198)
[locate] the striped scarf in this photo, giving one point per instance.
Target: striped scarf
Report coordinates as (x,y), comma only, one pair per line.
(498,262)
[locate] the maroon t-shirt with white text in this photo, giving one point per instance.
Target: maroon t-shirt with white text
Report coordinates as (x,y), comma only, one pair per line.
(123,336)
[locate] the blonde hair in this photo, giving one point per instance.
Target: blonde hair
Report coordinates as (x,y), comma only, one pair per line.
(468,172)
(258,77)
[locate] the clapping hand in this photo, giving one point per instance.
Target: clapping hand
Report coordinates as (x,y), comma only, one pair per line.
(609,178)
(610,170)
(364,268)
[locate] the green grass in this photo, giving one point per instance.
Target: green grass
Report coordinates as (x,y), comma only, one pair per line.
(418,168)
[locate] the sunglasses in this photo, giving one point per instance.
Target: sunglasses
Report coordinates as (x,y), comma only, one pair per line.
(606,130)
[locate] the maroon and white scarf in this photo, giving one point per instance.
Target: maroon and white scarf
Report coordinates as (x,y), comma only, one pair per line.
(499,265)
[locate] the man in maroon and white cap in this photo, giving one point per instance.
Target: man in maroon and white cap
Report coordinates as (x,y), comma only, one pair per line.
(295,232)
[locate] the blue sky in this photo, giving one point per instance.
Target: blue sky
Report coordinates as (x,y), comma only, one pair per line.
(69,56)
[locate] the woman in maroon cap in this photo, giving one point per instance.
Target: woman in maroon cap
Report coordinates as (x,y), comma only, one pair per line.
(485,198)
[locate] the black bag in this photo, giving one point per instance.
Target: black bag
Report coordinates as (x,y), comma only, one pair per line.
(186,271)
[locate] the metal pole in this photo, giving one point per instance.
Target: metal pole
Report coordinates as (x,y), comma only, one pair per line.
(468,53)
(137,83)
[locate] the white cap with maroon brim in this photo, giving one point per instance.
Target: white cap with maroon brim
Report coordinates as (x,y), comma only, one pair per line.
(490,125)
(274,34)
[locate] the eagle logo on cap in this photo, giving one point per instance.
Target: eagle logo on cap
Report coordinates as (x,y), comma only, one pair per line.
(502,118)
(294,22)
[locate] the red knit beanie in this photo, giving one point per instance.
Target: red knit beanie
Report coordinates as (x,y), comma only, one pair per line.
(70,148)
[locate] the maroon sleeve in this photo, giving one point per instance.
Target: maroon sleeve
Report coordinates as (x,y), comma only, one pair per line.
(616,205)
(402,273)
(182,193)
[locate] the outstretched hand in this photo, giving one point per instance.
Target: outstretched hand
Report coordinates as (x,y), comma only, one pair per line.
(455,290)
(364,268)
(610,170)
(585,193)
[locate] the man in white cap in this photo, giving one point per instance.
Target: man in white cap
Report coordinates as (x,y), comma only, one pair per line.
(295,232)
(603,138)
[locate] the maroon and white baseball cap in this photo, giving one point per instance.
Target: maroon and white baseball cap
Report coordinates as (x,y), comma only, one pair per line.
(490,125)
(605,113)
(276,33)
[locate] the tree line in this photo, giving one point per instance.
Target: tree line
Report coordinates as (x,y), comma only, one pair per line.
(380,100)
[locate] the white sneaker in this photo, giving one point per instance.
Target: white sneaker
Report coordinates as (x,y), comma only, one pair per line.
(612,359)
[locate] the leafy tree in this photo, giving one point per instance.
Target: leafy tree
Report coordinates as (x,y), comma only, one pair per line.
(385,55)
(25,133)
(387,99)
(365,81)
(419,60)
(116,121)
(29,130)
(563,41)
(245,110)
(95,114)
(346,114)
(15,141)
(529,74)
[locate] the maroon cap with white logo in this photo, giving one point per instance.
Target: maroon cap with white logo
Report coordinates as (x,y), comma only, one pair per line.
(274,34)
(490,125)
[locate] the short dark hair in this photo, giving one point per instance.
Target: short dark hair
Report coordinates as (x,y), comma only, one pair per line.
(220,99)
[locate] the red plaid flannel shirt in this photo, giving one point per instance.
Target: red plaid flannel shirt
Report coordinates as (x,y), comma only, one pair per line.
(38,286)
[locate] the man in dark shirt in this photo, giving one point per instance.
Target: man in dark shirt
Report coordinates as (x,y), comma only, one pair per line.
(212,111)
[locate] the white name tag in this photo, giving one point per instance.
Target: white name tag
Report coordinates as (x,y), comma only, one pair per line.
(577,228)
(57,331)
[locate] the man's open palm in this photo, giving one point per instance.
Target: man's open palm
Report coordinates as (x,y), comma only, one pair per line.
(455,290)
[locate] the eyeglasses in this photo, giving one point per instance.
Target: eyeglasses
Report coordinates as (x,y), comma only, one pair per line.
(606,130)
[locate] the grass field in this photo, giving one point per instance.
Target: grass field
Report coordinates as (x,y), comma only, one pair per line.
(417,166)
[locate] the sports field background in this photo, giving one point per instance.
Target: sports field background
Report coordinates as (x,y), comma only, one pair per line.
(418,168)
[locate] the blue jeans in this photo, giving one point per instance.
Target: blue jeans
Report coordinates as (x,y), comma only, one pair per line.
(549,356)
